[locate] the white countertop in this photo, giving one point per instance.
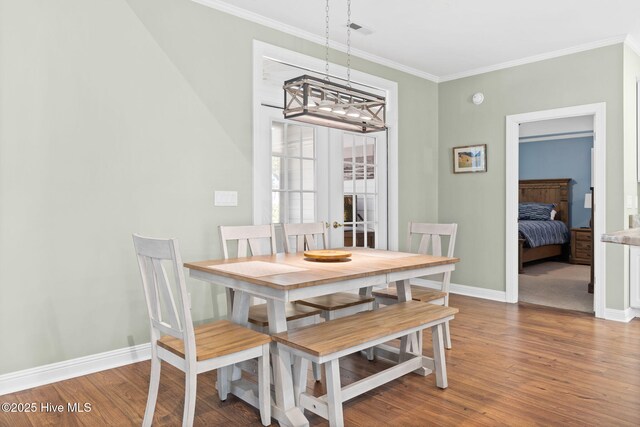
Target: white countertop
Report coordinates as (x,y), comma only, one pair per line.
(625,237)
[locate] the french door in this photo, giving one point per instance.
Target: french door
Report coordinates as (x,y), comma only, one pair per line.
(357,193)
(312,173)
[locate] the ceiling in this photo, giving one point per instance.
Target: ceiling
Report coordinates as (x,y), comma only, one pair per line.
(447,39)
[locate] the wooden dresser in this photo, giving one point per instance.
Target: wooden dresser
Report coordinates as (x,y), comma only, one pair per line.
(581,246)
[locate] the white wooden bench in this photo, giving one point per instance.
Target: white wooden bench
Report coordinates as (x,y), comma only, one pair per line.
(325,343)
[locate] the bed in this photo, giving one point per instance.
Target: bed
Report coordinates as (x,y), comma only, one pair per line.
(540,239)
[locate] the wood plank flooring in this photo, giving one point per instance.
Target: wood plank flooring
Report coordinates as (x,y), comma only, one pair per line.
(511,364)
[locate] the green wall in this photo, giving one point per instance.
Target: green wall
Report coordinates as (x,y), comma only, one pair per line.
(124,116)
(477,201)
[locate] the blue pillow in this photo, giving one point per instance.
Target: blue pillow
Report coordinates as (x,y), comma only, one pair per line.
(535,211)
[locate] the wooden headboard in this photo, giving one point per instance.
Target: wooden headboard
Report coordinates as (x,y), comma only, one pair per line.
(557,191)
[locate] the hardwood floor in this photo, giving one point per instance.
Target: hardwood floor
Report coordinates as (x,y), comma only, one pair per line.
(511,364)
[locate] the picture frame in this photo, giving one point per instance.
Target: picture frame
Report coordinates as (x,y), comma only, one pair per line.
(470,158)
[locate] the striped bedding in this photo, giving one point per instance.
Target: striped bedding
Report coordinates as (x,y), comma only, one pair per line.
(540,233)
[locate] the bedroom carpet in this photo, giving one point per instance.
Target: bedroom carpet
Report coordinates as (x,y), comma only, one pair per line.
(556,284)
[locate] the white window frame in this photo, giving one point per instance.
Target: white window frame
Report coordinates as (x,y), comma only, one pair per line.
(261,151)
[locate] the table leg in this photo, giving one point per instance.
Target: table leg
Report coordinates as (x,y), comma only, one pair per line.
(412,342)
(404,290)
(239,315)
(282,375)
(438,356)
(404,294)
(367,292)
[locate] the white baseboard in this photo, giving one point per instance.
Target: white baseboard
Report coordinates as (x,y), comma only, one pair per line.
(47,374)
(470,291)
(621,315)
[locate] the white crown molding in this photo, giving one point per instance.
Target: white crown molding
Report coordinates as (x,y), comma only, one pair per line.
(633,43)
(469,291)
(535,58)
(276,25)
(47,374)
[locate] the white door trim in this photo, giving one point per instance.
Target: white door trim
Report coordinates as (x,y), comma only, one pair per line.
(262,50)
(512,173)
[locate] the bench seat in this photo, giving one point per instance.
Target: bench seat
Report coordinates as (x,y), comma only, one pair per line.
(258,313)
(339,335)
(327,342)
(418,293)
(337,301)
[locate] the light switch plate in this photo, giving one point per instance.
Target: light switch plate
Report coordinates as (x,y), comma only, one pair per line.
(226,198)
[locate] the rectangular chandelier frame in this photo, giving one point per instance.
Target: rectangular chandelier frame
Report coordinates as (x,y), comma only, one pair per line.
(318,101)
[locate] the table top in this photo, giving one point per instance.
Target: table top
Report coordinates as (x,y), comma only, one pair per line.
(293,271)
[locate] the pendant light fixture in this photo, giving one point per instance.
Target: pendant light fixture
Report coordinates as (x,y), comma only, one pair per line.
(322,102)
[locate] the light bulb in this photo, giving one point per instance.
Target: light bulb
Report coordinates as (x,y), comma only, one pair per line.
(365,116)
(326,105)
(353,112)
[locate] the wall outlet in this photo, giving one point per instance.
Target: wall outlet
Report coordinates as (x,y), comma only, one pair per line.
(629,203)
(225,198)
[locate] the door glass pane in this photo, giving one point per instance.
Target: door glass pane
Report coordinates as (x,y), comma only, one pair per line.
(277,137)
(295,208)
(294,134)
(308,175)
(348,209)
(370,151)
(276,173)
(370,186)
(308,207)
(293,174)
(308,149)
(371,208)
(371,234)
(360,209)
(358,149)
(347,173)
(277,207)
(359,236)
(359,171)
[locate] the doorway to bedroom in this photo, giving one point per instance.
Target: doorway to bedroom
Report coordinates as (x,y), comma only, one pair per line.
(555,213)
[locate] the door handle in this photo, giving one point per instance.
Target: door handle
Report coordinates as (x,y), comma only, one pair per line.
(336,224)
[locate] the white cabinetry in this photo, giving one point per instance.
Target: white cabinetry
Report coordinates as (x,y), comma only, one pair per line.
(634,276)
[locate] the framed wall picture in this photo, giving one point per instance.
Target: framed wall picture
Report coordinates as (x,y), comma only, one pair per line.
(471,158)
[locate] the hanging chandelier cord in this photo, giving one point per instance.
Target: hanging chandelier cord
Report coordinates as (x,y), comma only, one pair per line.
(349,43)
(326,44)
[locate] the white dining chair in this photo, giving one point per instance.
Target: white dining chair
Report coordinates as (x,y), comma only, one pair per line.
(193,350)
(254,240)
(427,239)
(312,236)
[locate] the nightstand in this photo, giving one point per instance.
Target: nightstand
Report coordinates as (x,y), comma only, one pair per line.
(581,246)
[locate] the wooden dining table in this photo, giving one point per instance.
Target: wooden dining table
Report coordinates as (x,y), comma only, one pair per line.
(284,278)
